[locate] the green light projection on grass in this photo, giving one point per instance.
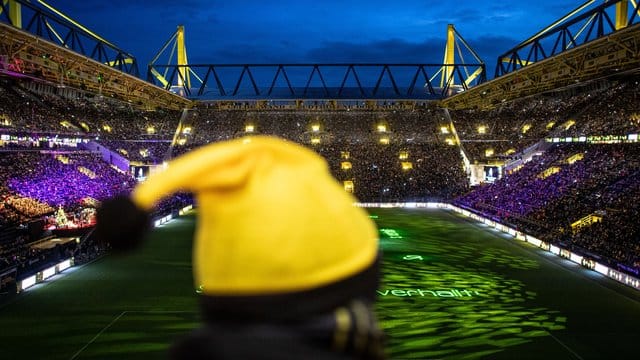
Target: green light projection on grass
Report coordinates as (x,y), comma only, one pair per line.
(442,298)
(413,257)
(391,233)
(448,293)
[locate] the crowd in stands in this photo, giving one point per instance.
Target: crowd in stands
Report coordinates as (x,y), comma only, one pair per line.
(20,109)
(23,111)
(313,105)
(38,185)
(612,108)
(63,178)
(143,151)
(389,154)
(41,178)
(613,112)
(8,215)
(88,250)
(384,155)
(566,184)
(416,126)
(28,207)
(25,257)
(603,182)
(397,172)
(173,204)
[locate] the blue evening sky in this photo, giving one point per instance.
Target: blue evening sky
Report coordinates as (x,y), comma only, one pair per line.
(249,31)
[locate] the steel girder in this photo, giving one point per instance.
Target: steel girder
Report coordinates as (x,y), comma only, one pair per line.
(46,22)
(600,21)
(313,81)
(23,54)
(616,53)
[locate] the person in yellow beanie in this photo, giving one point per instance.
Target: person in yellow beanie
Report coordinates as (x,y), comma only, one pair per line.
(287,266)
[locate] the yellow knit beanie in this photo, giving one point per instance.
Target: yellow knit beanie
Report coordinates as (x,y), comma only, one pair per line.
(270,217)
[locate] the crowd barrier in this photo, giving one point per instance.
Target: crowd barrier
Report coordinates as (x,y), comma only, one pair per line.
(597,139)
(581,260)
(43,275)
(165,218)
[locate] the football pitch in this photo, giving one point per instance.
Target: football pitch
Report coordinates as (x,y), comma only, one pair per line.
(451,289)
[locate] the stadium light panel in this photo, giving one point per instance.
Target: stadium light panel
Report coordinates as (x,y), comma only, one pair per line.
(348,186)
(444,129)
(28,282)
(249,128)
(575,258)
(482,129)
(64,265)
(151,130)
(574,158)
(63,159)
(601,269)
(4,120)
(569,124)
(49,272)
(384,140)
(548,172)
(315,128)
(382,128)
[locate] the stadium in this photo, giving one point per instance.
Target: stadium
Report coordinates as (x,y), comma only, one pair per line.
(506,204)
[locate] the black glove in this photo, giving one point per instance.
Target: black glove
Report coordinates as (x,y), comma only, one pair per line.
(121,223)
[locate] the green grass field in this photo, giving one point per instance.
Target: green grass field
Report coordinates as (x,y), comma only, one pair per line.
(452,289)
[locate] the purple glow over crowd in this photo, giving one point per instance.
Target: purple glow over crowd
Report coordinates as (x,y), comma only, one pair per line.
(51,181)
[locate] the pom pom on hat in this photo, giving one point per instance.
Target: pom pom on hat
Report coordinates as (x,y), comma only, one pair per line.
(121,223)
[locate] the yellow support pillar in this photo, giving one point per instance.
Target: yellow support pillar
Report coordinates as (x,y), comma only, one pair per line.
(15,13)
(634,5)
(182,58)
(622,14)
(449,56)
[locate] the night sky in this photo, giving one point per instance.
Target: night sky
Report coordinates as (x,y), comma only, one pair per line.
(249,31)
